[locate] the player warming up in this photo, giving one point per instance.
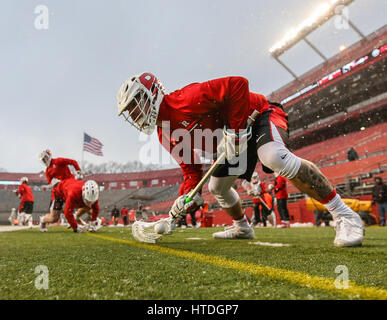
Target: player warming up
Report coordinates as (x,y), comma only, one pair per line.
(79,195)
(26,202)
(256,189)
(226,104)
(57,169)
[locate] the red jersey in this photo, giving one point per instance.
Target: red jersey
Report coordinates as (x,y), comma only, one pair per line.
(124,212)
(262,191)
(25,193)
(280,188)
(208,105)
(59,169)
(71,191)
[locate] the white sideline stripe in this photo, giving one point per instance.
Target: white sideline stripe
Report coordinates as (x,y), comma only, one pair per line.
(12,228)
(269,244)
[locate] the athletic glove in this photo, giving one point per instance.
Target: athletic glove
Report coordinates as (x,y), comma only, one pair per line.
(233,144)
(93,226)
(79,175)
(180,208)
(257,190)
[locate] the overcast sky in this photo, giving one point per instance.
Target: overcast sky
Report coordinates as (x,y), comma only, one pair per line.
(59,82)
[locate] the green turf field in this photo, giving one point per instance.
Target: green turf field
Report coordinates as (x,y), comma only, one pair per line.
(189,264)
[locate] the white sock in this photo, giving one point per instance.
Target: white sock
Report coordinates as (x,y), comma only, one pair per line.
(338,208)
(242,222)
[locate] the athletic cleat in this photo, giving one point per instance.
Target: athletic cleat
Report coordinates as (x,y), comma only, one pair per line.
(349,231)
(235,232)
(42,225)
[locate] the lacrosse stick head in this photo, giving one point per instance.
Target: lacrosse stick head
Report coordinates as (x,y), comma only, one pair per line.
(146,231)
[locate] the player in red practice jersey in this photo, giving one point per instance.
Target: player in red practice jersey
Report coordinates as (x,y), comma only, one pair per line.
(224,105)
(281,195)
(26,202)
(81,195)
(256,189)
(57,170)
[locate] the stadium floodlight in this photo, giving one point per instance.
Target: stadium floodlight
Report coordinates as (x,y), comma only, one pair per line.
(321,15)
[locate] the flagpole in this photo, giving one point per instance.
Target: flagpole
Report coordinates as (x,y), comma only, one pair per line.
(83,151)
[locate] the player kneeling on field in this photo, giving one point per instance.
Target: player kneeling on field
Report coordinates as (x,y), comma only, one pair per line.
(57,169)
(224,106)
(81,195)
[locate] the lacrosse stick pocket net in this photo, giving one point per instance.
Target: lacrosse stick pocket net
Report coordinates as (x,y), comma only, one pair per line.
(145,231)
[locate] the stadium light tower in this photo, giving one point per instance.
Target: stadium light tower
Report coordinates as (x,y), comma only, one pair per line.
(320,16)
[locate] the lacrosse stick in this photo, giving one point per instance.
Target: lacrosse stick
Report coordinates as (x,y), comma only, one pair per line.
(272,214)
(145,231)
(263,202)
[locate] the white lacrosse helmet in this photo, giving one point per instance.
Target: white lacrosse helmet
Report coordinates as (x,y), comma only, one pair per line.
(255,177)
(24,179)
(139,100)
(45,156)
(90,192)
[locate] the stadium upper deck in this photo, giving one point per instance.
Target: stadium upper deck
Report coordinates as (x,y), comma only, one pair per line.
(313,80)
(118,181)
(339,96)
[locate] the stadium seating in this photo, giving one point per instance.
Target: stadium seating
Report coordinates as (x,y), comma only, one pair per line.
(365,142)
(331,157)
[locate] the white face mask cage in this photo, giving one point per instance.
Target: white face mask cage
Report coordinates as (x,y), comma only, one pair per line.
(45,157)
(46,160)
(142,112)
(139,116)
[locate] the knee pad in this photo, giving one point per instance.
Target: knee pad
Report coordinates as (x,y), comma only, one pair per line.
(223,192)
(278,158)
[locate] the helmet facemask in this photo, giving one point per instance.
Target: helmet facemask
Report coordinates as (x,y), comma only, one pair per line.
(141,113)
(45,157)
(140,105)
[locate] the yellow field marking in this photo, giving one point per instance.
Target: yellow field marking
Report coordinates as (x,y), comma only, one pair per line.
(299,278)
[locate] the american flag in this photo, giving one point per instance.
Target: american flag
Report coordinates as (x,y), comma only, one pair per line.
(92,145)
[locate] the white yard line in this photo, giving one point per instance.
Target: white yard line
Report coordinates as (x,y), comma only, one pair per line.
(269,244)
(12,228)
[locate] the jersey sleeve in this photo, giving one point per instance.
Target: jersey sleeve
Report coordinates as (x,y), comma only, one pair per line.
(69,210)
(263,188)
(192,174)
(70,162)
(19,191)
(95,211)
(192,171)
(48,176)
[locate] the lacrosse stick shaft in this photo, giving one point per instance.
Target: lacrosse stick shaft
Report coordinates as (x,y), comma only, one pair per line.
(264,203)
(215,165)
(208,174)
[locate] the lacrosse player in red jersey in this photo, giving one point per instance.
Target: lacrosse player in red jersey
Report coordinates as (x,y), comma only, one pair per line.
(256,189)
(79,195)
(226,104)
(57,170)
(26,202)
